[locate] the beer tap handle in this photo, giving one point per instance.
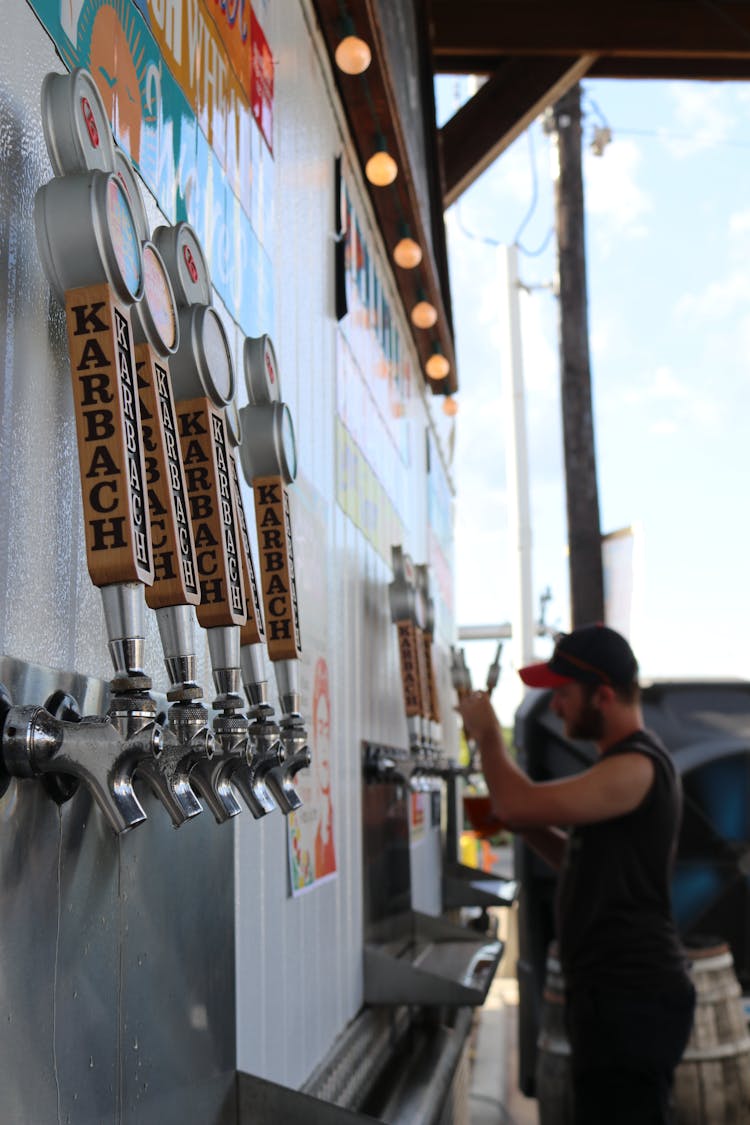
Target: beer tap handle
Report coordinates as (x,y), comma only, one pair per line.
(90,250)
(253,632)
(268,457)
(203,382)
(431,702)
(402,595)
(213,515)
(175,588)
(493,673)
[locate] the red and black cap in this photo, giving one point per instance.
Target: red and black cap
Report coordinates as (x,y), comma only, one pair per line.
(592,654)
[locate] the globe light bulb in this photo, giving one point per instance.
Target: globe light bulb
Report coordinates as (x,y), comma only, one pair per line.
(353,55)
(381,169)
(437,366)
(450,407)
(424,315)
(407,253)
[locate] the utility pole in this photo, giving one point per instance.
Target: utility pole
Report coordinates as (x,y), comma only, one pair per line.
(584,534)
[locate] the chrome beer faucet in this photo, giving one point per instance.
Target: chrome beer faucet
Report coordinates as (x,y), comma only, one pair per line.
(36,744)
(269,463)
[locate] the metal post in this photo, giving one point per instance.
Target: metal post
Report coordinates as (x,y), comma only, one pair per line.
(519,519)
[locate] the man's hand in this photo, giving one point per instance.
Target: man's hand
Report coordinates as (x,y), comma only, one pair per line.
(479,718)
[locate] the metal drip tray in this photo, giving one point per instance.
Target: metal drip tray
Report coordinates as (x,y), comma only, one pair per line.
(424,960)
(467,886)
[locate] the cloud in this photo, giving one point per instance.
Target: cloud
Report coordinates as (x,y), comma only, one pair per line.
(739,223)
(670,404)
(613,195)
(719,300)
(700,114)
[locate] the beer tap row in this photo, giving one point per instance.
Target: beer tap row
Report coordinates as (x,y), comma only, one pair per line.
(162,450)
(413,614)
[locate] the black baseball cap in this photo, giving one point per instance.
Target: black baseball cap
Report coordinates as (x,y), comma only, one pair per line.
(591,654)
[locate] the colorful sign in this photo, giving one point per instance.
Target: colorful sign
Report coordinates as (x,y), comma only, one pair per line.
(311,830)
(440,540)
(312,846)
(176,79)
(371,333)
(360,494)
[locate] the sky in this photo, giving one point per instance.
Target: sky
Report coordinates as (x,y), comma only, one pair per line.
(668,272)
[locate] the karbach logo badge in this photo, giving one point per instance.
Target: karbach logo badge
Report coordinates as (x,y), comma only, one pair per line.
(175,572)
(278,583)
(212,513)
(408,651)
(118,536)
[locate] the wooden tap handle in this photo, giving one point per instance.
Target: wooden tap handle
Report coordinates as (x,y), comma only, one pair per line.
(110,449)
(432,703)
(175,566)
(409,654)
(213,513)
(277,579)
(253,631)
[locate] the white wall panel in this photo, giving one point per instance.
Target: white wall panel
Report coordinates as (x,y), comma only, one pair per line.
(299,978)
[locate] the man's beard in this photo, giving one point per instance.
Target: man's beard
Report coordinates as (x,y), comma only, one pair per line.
(588,724)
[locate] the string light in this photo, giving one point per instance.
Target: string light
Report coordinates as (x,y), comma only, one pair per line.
(353,55)
(450,406)
(423,315)
(381,169)
(406,253)
(437,366)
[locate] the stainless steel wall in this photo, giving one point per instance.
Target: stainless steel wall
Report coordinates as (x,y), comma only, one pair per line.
(136,976)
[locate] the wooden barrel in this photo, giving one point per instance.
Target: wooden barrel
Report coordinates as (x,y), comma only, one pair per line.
(552,1076)
(712,1082)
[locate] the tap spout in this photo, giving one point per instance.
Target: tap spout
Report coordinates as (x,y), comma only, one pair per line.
(34,743)
(166,773)
(211,777)
(264,753)
(294,755)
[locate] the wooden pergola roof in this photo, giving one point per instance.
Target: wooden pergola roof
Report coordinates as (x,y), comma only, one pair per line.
(532,51)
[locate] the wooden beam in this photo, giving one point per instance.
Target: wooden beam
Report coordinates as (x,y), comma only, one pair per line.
(607,66)
(662,28)
(499,112)
(707,70)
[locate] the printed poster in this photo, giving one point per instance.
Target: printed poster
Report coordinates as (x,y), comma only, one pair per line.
(311,830)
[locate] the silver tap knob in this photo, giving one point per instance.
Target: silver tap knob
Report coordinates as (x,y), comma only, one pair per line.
(34,744)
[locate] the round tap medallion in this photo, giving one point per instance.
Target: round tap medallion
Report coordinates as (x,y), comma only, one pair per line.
(218,357)
(186,264)
(288,444)
(76,128)
(261,370)
(159,298)
(124,237)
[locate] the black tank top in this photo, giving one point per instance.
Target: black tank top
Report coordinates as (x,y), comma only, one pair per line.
(614,911)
